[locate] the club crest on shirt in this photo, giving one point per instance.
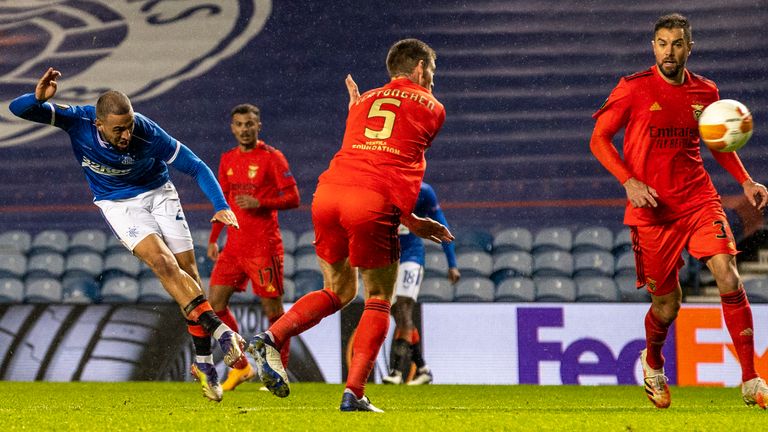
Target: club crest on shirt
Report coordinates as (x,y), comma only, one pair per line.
(697,110)
(107,33)
(651,284)
(126,160)
(252,171)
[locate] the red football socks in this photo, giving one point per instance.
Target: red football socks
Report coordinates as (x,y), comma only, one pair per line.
(370,334)
(655,335)
(738,319)
(285,349)
(305,314)
(228,319)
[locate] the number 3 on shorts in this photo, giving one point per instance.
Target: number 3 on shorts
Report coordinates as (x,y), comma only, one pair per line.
(722,234)
(389,118)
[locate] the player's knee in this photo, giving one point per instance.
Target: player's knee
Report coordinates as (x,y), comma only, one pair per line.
(163,266)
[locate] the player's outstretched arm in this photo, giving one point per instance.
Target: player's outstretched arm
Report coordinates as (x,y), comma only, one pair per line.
(354,92)
(227,217)
(756,193)
(427,228)
(47,85)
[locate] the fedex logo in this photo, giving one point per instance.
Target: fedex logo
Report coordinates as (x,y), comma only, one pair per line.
(583,344)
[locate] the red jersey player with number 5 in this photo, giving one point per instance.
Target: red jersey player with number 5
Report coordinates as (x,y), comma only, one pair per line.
(672,203)
(370,187)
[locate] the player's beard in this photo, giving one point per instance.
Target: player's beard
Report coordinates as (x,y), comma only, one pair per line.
(671,73)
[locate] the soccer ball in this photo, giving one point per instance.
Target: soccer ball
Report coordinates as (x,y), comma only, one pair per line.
(725,125)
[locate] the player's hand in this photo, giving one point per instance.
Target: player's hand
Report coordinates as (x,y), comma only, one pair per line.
(427,228)
(213,251)
(454,275)
(639,194)
(756,193)
(354,93)
(46,87)
(247,202)
(227,217)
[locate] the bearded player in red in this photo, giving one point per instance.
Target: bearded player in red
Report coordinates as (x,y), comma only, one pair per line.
(370,187)
(672,203)
(257,182)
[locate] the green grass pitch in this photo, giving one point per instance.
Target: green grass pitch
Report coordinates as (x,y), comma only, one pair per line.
(40,406)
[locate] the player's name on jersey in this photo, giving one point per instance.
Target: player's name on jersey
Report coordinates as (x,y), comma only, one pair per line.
(398,93)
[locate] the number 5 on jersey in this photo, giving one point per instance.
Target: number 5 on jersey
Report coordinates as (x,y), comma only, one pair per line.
(389,118)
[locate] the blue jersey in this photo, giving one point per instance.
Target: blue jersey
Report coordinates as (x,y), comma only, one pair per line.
(113,174)
(411,246)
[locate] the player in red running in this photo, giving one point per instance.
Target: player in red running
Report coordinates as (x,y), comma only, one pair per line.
(671,201)
(257,182)
(369,188)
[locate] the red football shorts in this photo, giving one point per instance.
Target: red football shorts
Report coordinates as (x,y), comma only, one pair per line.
(658,248)
(357,223)
(265,273)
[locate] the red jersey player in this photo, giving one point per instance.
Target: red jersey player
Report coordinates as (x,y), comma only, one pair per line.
(257,182)
(370,187)
(672,203)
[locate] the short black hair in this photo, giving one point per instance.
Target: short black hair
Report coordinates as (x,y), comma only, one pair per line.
(245,109)
(405,54)
(674,20)
(113,102)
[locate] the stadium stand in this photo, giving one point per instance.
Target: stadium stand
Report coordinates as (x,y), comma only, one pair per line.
(11,290)
(43,290)
(16,241)
(592,239)
(511,264)
(13,265)
(289,240)
(88,240)
(628,291)
(49,241)
(555,289)
(516,289)
(596,289)
(553,263)
(120,289)
(475,263)
(152,291)
(552,239)
(436,290)
(757,289)
(44,264)
(474,289)
(435,264)
(594,263)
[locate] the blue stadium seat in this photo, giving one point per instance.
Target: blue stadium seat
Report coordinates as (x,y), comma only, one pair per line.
(80,291)
(18,241)
(306,281)
(512,239)
(88,240)
(11,290)
(625,264)
(516,289)
(121,263)
(511,264)
(289,240)
(85,264)
(622,242)
(757,289)
(121,289)
(13,265)
(49,241)
(436,290)
(289,290)
(204,264)
(43,290)
(596,289)
(552,239)
(593,239)
(595,263)
(473,240)
(628,290)
(45,265)
(307,262)
(114,245)
(289,264)
(555,289)
(474,263)
(305,243)
(435,264)
(152,291)
(553,263)
(474,289)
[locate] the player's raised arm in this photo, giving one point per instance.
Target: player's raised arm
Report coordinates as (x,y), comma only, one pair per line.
(47,85)
(354,92)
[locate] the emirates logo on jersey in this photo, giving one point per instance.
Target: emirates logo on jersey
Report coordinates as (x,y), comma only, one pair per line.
(252,171)
(697,110)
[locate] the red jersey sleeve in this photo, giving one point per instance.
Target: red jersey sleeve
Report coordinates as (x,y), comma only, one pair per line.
(610,118)
(285,185)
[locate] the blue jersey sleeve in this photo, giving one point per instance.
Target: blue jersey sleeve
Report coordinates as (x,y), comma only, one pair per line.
(63,116)
(187,162)
(435,212)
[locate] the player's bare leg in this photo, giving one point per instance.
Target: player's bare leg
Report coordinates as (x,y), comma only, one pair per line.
(662,313)
(737,314)
(400,352)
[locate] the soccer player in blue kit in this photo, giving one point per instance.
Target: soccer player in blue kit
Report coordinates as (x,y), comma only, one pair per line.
(405,345)
(125,158)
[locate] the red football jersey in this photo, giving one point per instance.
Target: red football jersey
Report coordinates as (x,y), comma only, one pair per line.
(661,142)
(388,130)
(261,173)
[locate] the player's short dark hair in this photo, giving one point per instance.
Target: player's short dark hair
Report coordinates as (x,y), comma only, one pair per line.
(113,102)
(405,54)
(245,109)
(672,21)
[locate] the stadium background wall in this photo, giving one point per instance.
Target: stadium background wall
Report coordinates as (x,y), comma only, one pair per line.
(548,344)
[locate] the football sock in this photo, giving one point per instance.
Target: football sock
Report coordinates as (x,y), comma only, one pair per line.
(416,355)
(227,318)
(655,335)
(200,339)
(369,336)
(400,359)
(204,359)
(738,319)
(305,314)
(285,349)
(200,311)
